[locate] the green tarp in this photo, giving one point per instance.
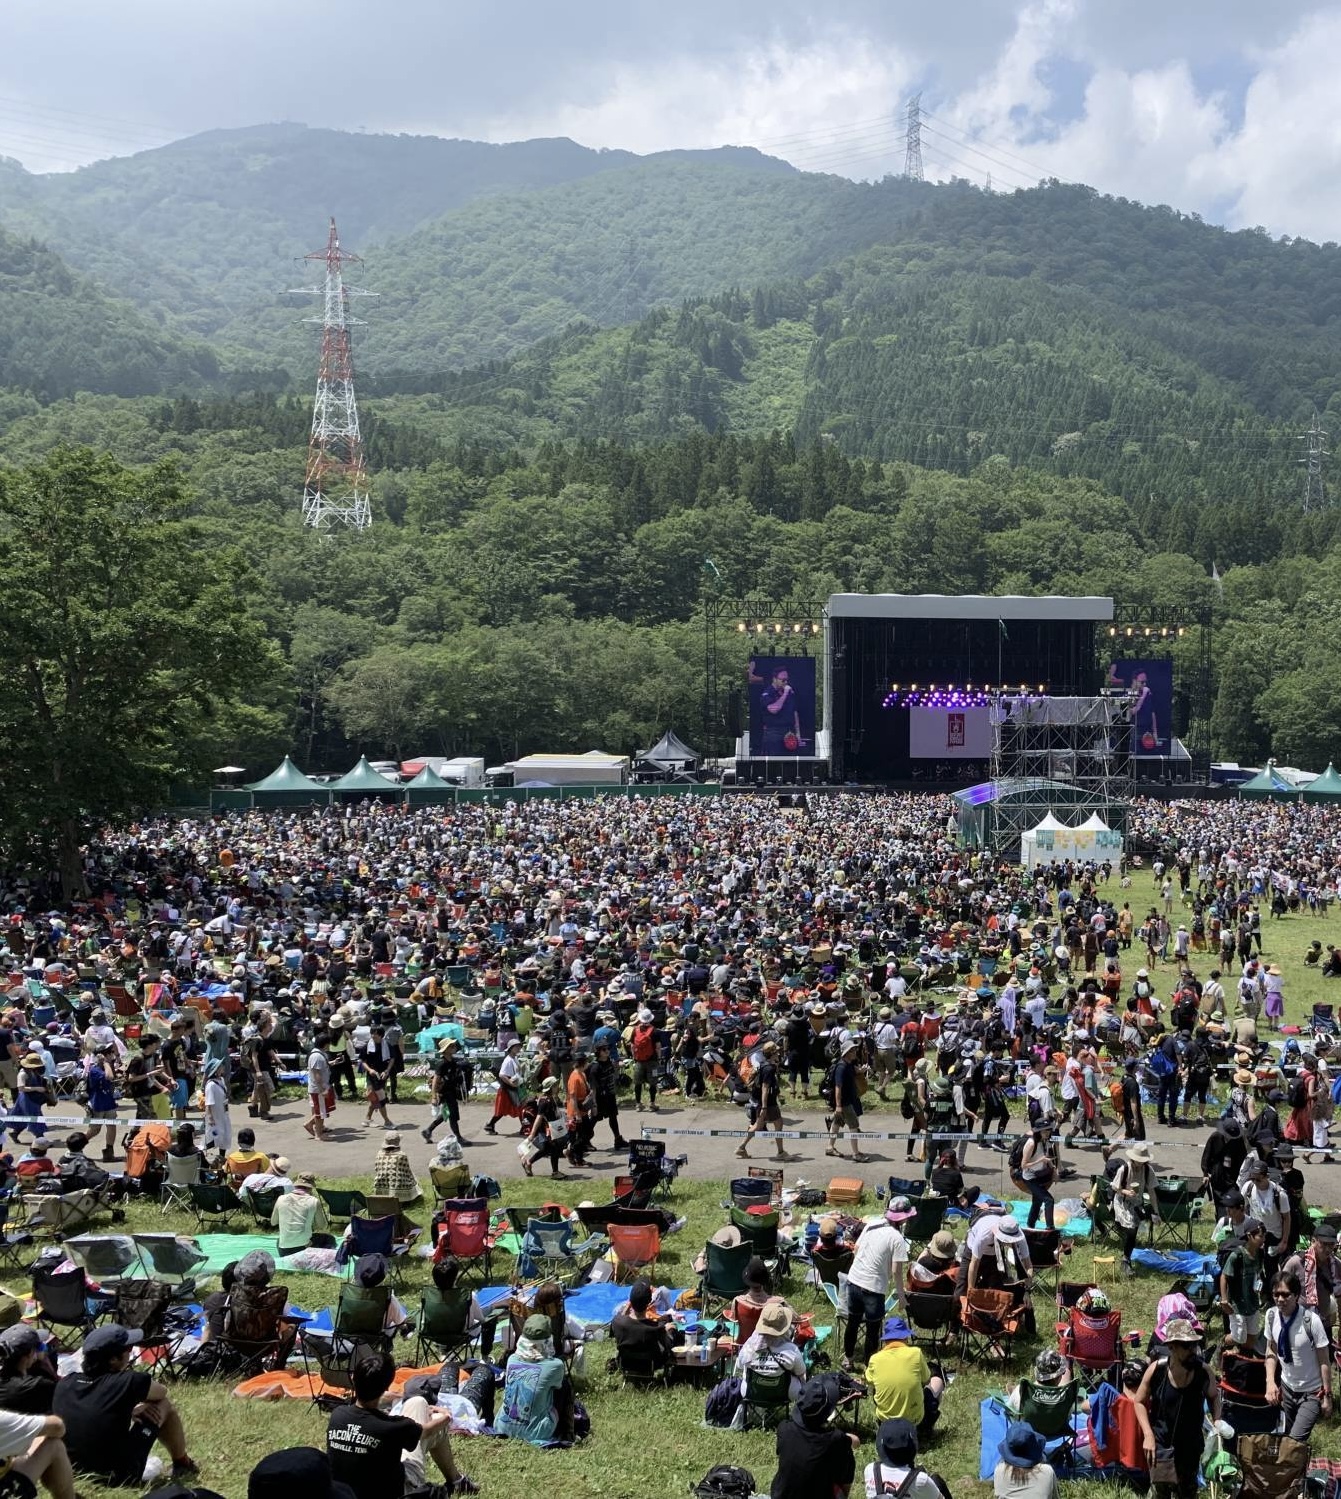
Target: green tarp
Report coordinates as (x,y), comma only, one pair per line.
(1266,784)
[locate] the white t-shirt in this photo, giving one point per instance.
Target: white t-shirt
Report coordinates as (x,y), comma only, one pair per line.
(881,1479)
(879,1249)
(1302,1374)
(1009,1482)
(17,1433)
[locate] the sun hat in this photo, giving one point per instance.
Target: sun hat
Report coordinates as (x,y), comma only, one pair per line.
(1021,1447)
(1180,1330)
(448,1043)
(1009,1230)
(280,1165)
(943,1245)
(1049,1366)
(726,1238)
(549,1085)
(1243,1078)
(31,1060)
(1324,1233)
(896,1330)
(304,1179)
(814,1405)
(1139,1155)
(776,1319)
(900,1209)
(896,1442)
(392,1137)
(850,1046)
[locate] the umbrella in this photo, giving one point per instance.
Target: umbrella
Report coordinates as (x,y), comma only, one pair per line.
(229,770)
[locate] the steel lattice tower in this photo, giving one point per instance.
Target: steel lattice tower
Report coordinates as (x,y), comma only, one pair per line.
(335,487)
(912,153)
(1315,491)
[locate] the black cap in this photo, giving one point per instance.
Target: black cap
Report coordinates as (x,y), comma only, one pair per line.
(296,1470)
(814,1405)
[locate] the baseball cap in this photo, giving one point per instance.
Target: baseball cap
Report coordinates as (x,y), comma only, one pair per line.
(296,1470)
(107,1341)
(20,1339)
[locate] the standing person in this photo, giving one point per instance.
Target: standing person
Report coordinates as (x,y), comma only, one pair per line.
(1134,1199)
(447,1087)
(1241,1284)
(996,1078)
(1133,1117)
(218,1038)
(218,1126)
(321,1095)
(580,1109)
(689,1049)
(1200,1068)
(877,1268)
(847,1106)
(1038,1172)
(888,1057)
(375,1066)
(30,1095)
(1298,1361)
(507,1100)
(1171,1404)
(549,1133)
(179,1067)
(642,1039)
(605,1084)
(767,1086)
(1319,1275)
(98,1078)
(341,1056)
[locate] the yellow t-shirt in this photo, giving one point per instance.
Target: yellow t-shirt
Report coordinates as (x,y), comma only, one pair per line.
(898,1374)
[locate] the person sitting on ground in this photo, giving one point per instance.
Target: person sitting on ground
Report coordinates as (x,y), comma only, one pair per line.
(936,1262)
(274,1175)
(769,1348)
(392,1175)
(33,1445)
(947,1181)
(34,1164)
(896,1469)
(78,1173)
(902,1381)
(292,1471)
(379,1455)
(246,1160)
(639,1332)
(537,1403)
(27,1372)
(114,1413)
(1023,1472)
(814,1457)
(300,1218)
(568,1333)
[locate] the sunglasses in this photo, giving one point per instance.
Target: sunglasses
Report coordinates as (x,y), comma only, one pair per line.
(1282,1295)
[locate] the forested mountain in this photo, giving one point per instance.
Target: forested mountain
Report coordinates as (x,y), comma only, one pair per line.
(61,333)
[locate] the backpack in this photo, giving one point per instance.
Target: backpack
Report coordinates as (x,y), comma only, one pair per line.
(1161,1063)
(1015,1160)
(912,1041)
(886,1486)
(1115,1094)
(644,1043)
(1298,1093)
(720,1410)
(908,1103)
(828,1083)
(724,1481)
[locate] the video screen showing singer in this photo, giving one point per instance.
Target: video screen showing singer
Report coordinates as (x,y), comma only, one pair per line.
(782,705)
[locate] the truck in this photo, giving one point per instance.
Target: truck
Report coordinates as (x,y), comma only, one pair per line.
(463,770)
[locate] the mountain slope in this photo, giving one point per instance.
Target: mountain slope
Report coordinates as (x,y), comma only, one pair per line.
(61,334)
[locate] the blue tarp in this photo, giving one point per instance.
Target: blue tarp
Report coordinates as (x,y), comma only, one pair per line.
(593,1305)
(1177,1261)
(1073,1228)
(996,1418)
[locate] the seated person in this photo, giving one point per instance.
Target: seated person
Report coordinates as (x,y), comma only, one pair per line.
(1023,1472)
(901,1381)
(78,1173)
(537,1402)
(378,1455)
(935,1263)
(300,1218)
(215,1305)
(640,1332)
(814,1457)
(292,1471)
(1050,1368)
(831,1249)
(27,1372)
(35,1162)
(947,1181)
(896,1469)
(446,1272)
(769,1348)
(246,1160)
(392,1175)
(370,1270)
(274,1175)
(1314,954)
(33,1445)
(113,1414)
(184,1146)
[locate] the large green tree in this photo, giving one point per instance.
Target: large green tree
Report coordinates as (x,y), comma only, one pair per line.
(122,638)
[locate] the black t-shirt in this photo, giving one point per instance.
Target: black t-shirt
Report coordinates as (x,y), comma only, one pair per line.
(811,1462)
(644,1339)
(29,1394)
(137,1074)
(365,1447)
(96,1411)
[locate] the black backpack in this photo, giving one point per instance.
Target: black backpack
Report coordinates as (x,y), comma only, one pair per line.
(1015,1160)
(827,1084)
(1298,1093)
(725,1482)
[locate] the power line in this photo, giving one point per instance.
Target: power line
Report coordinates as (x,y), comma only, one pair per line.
(912,151)
(1000,150)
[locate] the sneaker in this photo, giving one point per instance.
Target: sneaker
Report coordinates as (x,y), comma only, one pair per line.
(184,1468)
(677,1225)
(425,1137)
(464,1485)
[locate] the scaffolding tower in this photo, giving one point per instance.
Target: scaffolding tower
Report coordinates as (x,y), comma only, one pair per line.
(1071,756)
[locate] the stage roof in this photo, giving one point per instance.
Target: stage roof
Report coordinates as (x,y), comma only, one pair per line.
(966,606)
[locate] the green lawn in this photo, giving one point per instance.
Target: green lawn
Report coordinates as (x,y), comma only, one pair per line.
(646,1445)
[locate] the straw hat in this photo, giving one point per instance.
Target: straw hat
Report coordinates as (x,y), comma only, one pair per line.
(1139,1155)
(776,1318)
(1243,1078)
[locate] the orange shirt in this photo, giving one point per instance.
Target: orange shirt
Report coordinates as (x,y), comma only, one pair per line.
(579,1090)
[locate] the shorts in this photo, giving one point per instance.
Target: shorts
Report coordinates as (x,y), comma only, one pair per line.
(181,1093)
(845,1116)
(771,1115)
(135,1457)
(108,1115)
(1244,1329)
(318,1102)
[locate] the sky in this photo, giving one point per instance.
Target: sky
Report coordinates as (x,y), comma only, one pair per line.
(1219,107)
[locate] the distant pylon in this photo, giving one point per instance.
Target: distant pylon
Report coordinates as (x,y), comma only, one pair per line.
(335,486)
(912,153)
(1315,492)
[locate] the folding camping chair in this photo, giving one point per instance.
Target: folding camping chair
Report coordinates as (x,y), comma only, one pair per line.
(724,1270)
(375,1236)
(262,1205)
(63,1214)
(640,1369)
(14,1247)
(758,1228)
(341,1206)
(63,1299)
(255,1329)
(906,1186)
(1180,1201)
(172,1260)
(634,1249)
(932,1313)
(1050,1409)
(147,1306)
(214,1203)
(444,1325)
(988,1324)
(651,1168)
(548,1252)
(1102,1222)
(359,1323)
(745,1314)
(1047,1249)
(103,1257)
(765,1399)
(465,1234)
(1242,1380)
(928,1216)
(449,1181)
(749,1192)
(829,1265)
(390,1207)
(1093,1344)
(774,1178)
(181,1174)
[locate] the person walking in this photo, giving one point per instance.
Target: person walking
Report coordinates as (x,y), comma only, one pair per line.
(320,1094)
(846,1104)
(447,1086)
(767,1085)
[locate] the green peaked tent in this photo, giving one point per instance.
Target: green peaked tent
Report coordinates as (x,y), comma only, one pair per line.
(1266,784)
(287,786)
(363,780)
(1327,788)
(428,789)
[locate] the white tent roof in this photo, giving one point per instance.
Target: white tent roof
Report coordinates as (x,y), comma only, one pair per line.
(1050,824)
(1097,823)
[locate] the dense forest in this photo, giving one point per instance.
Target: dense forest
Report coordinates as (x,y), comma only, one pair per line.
(817,384)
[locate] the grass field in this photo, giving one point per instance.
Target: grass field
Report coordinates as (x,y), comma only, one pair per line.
(645,1445)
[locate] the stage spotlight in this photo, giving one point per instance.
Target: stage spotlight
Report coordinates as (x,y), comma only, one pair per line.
(1129,632)
(796,629)
(759,628)
(1042,688)
(1112,630)
(1147,632)
(814,627)
(741,626)
(1181,632)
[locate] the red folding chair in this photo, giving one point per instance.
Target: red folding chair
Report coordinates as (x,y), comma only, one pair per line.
(464,1233)
(1093,1343)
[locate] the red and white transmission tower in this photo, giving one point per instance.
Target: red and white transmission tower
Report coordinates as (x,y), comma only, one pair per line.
(335,488)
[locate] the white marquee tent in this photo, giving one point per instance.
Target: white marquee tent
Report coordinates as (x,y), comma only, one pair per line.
(1052,842)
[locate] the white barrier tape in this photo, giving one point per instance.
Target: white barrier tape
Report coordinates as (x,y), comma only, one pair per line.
(823,1134)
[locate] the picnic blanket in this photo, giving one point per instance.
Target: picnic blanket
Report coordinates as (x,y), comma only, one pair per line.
(1177,1261)
(996,1418)
(294,1384)
(1074,1228)
(592,1305)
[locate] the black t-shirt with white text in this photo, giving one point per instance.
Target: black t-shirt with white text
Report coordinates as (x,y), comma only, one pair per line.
(365,1450)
